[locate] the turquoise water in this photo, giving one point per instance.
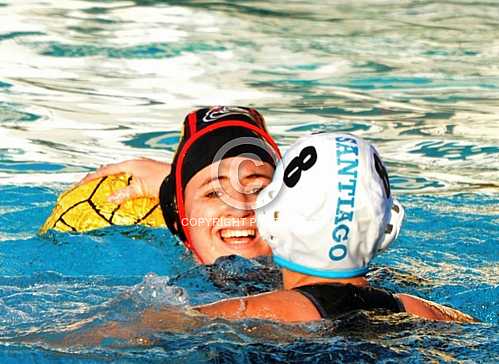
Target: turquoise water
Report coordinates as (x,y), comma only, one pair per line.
(84,83)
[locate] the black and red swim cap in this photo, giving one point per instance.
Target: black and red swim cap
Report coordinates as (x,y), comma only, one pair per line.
(206,138)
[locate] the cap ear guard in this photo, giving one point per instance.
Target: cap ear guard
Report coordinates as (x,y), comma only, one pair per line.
(397,214)
(168,204)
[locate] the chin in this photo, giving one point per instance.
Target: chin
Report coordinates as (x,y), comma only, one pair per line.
(247,248)
(257,249)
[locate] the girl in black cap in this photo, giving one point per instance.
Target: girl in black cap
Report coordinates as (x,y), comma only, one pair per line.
(224,158)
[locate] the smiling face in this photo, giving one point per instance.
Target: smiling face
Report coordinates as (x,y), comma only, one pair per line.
(219,202)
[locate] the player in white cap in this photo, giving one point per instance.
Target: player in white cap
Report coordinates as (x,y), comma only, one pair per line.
(327,213)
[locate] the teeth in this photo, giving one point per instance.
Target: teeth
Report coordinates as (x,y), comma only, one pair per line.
(237,233)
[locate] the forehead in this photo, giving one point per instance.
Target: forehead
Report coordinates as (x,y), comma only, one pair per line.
(243,164)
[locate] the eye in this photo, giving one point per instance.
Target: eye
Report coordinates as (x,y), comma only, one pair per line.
(255,190)
(256,186)
(214,194)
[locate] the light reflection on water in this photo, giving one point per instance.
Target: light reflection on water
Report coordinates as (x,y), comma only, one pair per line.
(90,76)
(84,83)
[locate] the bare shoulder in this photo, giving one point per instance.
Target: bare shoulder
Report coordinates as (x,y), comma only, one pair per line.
(283,305)
(432,310)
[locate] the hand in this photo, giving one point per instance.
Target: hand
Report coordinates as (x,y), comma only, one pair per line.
(147,176)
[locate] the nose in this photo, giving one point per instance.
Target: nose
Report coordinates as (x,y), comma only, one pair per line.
(242,204)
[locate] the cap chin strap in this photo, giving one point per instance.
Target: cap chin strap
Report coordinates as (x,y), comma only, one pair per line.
(397,214)
(171,216)
(169,207)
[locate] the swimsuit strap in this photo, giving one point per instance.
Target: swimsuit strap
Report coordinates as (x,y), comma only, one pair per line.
(333,300)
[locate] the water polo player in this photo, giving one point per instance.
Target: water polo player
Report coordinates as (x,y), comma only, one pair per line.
(224,158)
(327,213)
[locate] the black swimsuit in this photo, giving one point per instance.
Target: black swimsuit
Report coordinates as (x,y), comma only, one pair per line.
(333,300)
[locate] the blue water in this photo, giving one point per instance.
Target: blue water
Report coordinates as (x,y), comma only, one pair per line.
(83,83)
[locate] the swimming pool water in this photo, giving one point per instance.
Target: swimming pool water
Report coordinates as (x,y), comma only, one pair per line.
(83,83)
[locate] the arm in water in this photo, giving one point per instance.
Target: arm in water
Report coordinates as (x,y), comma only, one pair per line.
(432,310)
(136,332)
(286,306)
(147,176)
(267,306)
(276,306)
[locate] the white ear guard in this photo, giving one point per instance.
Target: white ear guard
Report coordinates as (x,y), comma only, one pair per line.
(397,214)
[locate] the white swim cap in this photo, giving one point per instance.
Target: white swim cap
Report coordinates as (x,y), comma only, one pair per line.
(329,209)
